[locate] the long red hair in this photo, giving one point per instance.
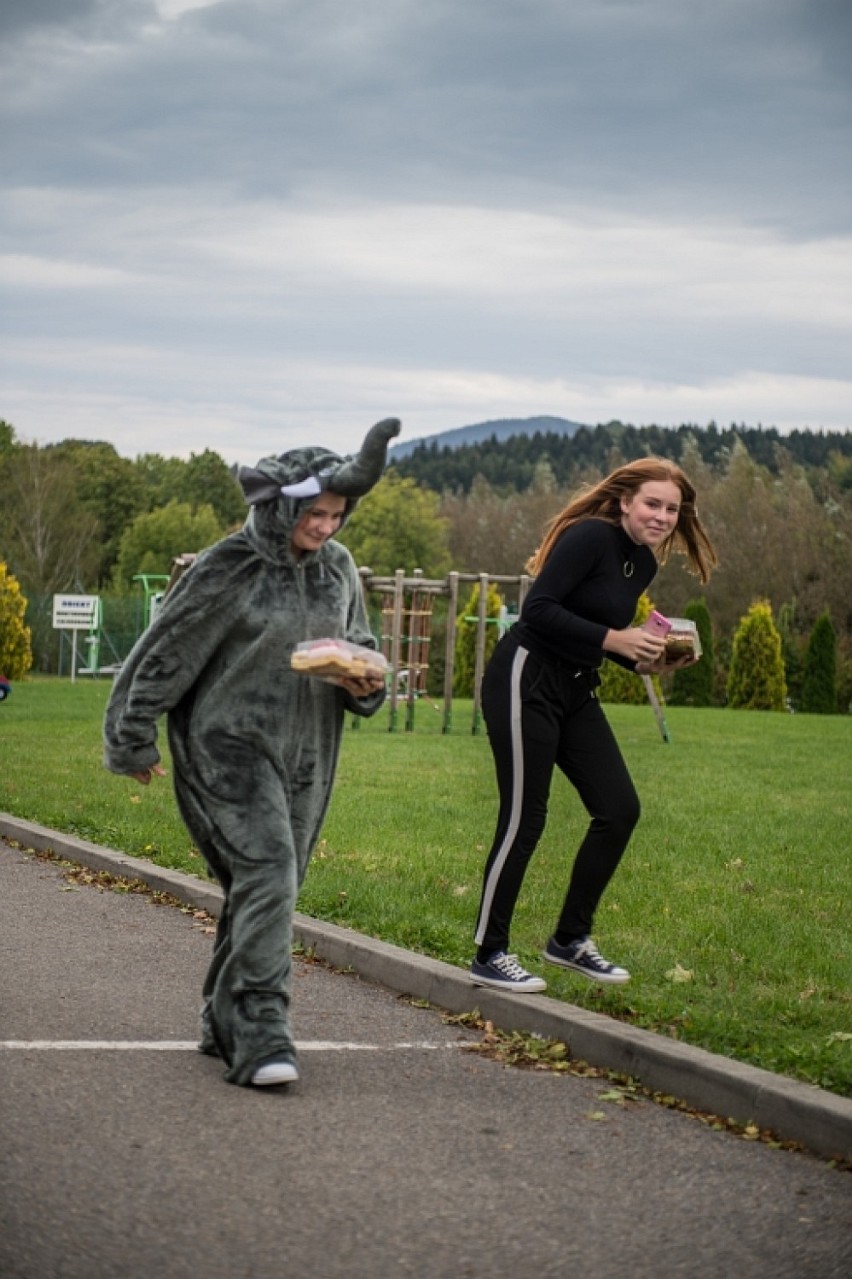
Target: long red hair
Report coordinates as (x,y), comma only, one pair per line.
(603,501)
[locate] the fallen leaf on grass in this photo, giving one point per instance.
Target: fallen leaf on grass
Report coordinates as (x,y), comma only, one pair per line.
(679,974)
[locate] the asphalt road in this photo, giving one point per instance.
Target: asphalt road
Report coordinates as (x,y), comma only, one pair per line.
(400,1152)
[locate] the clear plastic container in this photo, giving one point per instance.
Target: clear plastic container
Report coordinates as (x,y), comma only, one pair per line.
(682,639)
(333,659)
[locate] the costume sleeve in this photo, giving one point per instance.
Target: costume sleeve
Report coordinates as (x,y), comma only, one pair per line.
(163,665)
(358,632)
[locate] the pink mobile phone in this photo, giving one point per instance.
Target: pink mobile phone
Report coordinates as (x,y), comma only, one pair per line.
(657,624)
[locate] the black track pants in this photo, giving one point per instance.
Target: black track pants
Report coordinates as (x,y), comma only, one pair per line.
(540,715)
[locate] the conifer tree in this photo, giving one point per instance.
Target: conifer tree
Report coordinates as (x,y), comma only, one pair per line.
(756,676)
(693,685)
(792,645)
(844,686)
(819,686)
(15,649)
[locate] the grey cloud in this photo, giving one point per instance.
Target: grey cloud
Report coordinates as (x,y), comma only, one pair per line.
(671,104)
(825,27)
(19,18)
(138,152)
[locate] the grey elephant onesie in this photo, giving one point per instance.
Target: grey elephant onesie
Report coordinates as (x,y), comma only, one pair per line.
(254,745)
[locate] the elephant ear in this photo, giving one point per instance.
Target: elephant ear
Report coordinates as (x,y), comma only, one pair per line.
(256,486)
(357,475)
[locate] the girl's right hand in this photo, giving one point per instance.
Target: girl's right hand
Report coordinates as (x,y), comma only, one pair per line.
(636,644)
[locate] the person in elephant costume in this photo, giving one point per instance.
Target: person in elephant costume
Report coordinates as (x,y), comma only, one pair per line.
(254,745)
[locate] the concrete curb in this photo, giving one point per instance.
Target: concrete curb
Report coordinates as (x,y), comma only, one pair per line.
(793,1111)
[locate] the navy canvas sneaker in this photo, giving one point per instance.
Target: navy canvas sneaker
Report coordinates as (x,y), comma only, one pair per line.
(503,972)
(583,956)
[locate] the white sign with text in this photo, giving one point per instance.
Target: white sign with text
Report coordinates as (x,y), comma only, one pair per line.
(75,612)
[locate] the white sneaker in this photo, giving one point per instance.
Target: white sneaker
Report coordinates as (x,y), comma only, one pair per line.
(281,1069)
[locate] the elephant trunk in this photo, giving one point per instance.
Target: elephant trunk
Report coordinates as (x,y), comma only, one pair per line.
(357,475)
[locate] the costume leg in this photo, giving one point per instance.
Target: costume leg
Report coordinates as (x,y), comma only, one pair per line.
(257,842)
(590,758)
(221,945)
(217,868)
(248,985)
(207,1042)
(523,730)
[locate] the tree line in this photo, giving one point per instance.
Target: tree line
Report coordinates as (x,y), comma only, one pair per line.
(511,464)
(78,517)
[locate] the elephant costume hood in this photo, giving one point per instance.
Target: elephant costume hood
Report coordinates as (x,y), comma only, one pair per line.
(306,472)
(279,488)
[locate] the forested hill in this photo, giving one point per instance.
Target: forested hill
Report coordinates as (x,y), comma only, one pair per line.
(510,463)
(499,429)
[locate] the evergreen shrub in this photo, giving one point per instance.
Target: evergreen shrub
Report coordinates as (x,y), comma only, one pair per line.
(792,651)
(756,677)
(16,656)
(844,686)
(694,685)
(819,686)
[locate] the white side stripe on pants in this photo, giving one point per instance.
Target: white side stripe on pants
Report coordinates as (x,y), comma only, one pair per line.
(517,793)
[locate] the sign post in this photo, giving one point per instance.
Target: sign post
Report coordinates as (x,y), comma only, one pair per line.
(75,613)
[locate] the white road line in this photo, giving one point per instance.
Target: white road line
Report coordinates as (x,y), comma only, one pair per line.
(190,1045)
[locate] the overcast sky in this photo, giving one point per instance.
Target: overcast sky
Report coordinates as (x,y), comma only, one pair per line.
(251,224)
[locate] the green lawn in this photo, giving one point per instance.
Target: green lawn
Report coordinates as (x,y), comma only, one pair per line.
(732,907)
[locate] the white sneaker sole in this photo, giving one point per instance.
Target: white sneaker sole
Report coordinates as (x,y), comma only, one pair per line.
(277,1072)
(534,987)
(606,979)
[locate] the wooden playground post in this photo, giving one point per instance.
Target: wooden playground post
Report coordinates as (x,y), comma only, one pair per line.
(412,664)
(479,656)
(396,644)
(450,649)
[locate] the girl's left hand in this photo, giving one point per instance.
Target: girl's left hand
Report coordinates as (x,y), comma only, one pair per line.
(146,774)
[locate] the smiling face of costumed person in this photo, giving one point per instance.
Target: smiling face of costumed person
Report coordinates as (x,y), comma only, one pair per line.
(318,522)
(650,515)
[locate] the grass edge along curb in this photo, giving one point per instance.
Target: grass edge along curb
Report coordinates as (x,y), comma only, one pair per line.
(790,1109)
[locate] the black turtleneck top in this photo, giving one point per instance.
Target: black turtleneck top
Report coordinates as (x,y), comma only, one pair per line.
(590,583)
